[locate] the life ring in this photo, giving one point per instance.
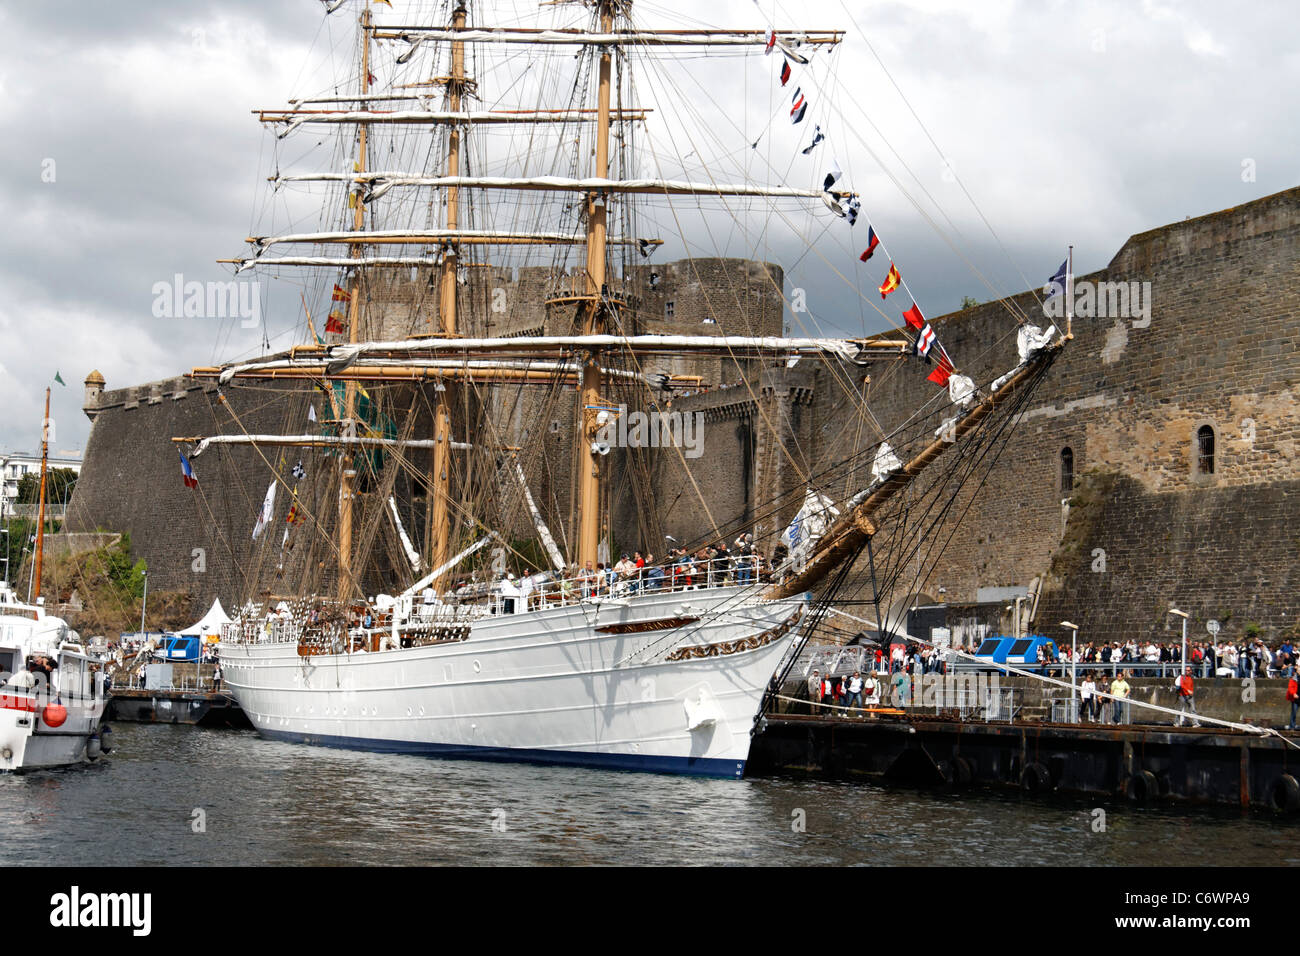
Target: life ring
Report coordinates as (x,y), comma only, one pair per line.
(1035,778)
(1142,787)
(1284,795)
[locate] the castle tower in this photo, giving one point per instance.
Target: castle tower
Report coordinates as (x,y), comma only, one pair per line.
(94,389)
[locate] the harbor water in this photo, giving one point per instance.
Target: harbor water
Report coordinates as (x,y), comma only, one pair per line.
(189,796)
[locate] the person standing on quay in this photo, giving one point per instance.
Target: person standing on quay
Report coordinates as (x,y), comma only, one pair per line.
(1119,688)
(1186,688)
(855,690)
(815,691)
(1293,695)
(1086,691)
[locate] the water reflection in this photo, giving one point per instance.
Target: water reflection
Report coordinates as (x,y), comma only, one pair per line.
(268,802)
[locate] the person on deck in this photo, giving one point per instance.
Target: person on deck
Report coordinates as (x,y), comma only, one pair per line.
(744,551)
(722,565)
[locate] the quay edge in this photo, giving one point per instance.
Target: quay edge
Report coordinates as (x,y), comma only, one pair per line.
(1142,764)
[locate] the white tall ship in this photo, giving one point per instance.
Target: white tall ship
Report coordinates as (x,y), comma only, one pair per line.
(477,643)
(663,681)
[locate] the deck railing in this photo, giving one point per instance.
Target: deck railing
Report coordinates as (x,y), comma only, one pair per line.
(679,575)
(477,601)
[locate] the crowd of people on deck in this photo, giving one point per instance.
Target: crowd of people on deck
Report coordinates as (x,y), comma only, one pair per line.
(739,563)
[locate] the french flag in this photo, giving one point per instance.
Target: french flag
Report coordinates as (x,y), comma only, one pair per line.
(187,472)
(785,72)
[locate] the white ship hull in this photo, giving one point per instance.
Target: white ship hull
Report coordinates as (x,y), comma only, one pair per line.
(73,698)
(561,685)
(28,743)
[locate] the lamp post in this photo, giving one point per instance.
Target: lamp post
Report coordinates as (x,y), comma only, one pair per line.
(1182,661)
(1074,665)
(144,603)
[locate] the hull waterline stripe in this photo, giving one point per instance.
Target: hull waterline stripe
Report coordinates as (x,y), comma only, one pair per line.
(646,763)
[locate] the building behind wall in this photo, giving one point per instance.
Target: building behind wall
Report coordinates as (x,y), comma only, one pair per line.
(14,465)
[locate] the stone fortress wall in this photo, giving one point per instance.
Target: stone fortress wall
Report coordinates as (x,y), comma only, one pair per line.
(1102,494)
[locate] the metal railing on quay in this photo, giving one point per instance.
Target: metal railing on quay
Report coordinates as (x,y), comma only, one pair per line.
(1061,669)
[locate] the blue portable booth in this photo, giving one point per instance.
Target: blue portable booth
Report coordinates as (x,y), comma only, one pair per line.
(178,647)
(1019,651)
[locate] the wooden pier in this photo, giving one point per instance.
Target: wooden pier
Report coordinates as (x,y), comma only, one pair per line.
(203,708)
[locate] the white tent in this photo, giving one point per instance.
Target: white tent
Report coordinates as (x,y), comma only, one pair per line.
(209,628)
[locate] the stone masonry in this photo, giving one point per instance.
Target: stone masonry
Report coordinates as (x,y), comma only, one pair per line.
(1155,464)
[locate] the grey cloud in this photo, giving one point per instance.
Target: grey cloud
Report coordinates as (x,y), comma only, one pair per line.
(1058,142)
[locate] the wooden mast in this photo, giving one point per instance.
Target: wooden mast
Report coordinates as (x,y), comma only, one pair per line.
(593,321)
(593,309)
(40,508)
(347,461)
(440,485)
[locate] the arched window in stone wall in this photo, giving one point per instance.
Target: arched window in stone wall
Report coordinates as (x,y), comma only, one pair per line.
(1067,471)
(1205,450)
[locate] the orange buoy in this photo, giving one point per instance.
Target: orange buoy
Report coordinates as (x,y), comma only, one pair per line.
(54,715)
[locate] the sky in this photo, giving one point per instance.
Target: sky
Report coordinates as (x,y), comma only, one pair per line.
(984,138)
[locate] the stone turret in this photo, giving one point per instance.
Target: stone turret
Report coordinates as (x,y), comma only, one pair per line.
(94,389)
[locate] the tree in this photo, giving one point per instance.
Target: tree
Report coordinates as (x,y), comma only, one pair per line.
(16,541)
(59,483)
(967,302)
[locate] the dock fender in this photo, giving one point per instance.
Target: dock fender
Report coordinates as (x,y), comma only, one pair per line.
(956,771)
(93,747)
(963,771)
(1142,787)
(1284,794)
(106,738)
(1035,778)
